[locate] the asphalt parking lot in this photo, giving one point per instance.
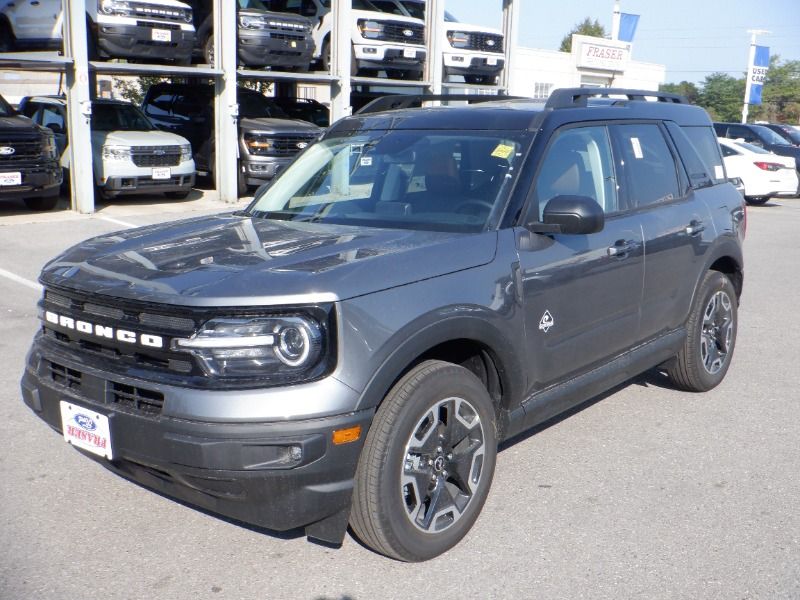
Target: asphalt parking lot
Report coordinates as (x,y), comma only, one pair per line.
(648,493)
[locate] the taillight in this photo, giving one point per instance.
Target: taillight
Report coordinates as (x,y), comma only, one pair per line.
(767,166)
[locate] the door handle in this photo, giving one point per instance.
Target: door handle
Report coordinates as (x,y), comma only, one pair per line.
(694,228)
(621,249)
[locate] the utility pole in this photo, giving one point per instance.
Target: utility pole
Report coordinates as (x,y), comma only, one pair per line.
(752,56)
(615,20)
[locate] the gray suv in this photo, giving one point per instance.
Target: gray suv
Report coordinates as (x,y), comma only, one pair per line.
(416,287)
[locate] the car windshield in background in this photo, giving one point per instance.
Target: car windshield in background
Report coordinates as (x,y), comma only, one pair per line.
(439,181)
(255,4)
(119,117)
(752,148)
(791,133)
(770,136)
(256,106)
(5,108)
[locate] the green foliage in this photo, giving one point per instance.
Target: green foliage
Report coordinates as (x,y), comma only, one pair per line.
(586,27)
(134,90)
(684,88)
(722,96)
(781,94)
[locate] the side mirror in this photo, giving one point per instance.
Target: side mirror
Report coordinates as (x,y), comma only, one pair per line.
(574,215)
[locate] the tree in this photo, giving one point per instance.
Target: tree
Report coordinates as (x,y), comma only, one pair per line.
(586,27)
(134,89)
(722,96)
(684,88)
(781,93)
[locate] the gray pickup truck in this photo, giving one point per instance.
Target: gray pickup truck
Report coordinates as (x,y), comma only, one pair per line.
(416,287)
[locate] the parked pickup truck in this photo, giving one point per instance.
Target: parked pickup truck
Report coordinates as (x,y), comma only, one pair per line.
(266,38)
(132,29)
(129,155)
(29,166)
(268,138)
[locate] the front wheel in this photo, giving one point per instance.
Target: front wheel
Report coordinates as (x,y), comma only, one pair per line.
(427,463)
(711,336)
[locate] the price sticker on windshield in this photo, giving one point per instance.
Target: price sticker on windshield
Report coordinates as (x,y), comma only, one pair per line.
(503,151)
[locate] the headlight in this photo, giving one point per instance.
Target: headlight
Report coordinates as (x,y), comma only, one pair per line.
(251,22)
(114,7)
(458,39)
(116,152)
(370,29)
(256,347)
(186,152)
(258,144)
(187,15)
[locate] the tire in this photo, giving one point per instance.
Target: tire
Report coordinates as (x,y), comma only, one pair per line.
(41,203)
(7,39)
(325,58)
(241,184)
(402,455)
(177,195)
(711,336)
(208,50)
(756,201)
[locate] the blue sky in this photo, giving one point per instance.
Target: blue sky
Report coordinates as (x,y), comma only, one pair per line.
(693,38)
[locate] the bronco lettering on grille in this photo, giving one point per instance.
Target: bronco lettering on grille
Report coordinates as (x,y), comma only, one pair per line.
(103,331)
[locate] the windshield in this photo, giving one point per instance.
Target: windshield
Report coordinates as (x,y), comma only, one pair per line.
(415,9)
(388,6)
(448,17)
(769,136)
(790,133)
(255,4)
(5,108)
(119,117)
(408,179)
(256,106)
(752,148)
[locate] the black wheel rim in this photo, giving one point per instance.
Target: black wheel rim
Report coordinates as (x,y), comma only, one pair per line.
(443,465)
(717,334)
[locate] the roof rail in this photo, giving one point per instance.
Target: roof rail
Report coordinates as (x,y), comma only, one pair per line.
(399,101)
(578,97)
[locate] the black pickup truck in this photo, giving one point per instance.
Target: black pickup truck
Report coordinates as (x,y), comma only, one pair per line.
(29,166)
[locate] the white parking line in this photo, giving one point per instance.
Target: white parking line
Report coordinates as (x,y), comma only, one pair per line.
(116,221)
(21,280)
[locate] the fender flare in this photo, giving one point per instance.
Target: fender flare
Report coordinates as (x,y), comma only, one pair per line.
(725,247)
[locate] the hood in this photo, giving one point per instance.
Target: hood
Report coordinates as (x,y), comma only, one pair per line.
(276,16)
(235,260)
(459,26)
(137,138)
(272,125)
(382,16)
(19,124)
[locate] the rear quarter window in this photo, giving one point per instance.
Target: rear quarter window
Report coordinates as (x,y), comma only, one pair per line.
(704,140)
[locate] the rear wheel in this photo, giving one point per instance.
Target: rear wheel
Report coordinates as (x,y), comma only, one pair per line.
(427,464)
(711,336)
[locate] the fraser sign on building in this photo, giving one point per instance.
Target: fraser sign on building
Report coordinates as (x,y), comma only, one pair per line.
(600,54)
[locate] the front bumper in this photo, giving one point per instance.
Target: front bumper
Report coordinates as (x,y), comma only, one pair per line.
(403,58)
(257,170)
(138,184)
(265,49)
(38,181)
(279,474)
(470,64)
(138,41)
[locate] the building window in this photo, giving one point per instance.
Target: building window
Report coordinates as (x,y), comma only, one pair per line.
(542,90)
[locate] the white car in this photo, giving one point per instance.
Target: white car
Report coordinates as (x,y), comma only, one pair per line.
(765,175)
(129,155)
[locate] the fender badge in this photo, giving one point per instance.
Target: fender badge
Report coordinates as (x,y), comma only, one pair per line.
(546,321)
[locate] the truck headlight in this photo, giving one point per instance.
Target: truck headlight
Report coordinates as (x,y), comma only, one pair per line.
(186,152)
(116,152)
(370,29)
(256,347)
(458,39)
(114,7)
(251,22)
(187,15)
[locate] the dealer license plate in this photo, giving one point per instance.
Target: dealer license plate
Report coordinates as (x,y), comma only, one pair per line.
(14,178)
(162,173)
(409,53)
(86,429)
(491,62)
(162,35)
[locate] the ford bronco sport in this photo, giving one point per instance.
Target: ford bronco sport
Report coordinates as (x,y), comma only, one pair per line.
(416,287)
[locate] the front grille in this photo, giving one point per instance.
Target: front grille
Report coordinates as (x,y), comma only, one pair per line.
(152,25)
(485,42)
(156,156)
(69,378)
(288,36)
(279,145)
(157,11)
(395,32)
(22,149)
(136,399)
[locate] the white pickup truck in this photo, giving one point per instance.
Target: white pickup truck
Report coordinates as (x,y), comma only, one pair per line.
(135,29)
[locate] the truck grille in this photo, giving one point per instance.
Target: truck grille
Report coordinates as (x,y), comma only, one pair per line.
(485,42)
(161,12)
(395,32)
(279,145)
(156,156)
(136,399)
(21,149)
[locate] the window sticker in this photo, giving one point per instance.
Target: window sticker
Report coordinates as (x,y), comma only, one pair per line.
(719,173)
(366,161)
(637,147)
(503,151)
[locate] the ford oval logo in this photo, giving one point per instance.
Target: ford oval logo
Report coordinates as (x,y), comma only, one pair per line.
(84,422)
(302,145)
(6,150)
(408,32)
